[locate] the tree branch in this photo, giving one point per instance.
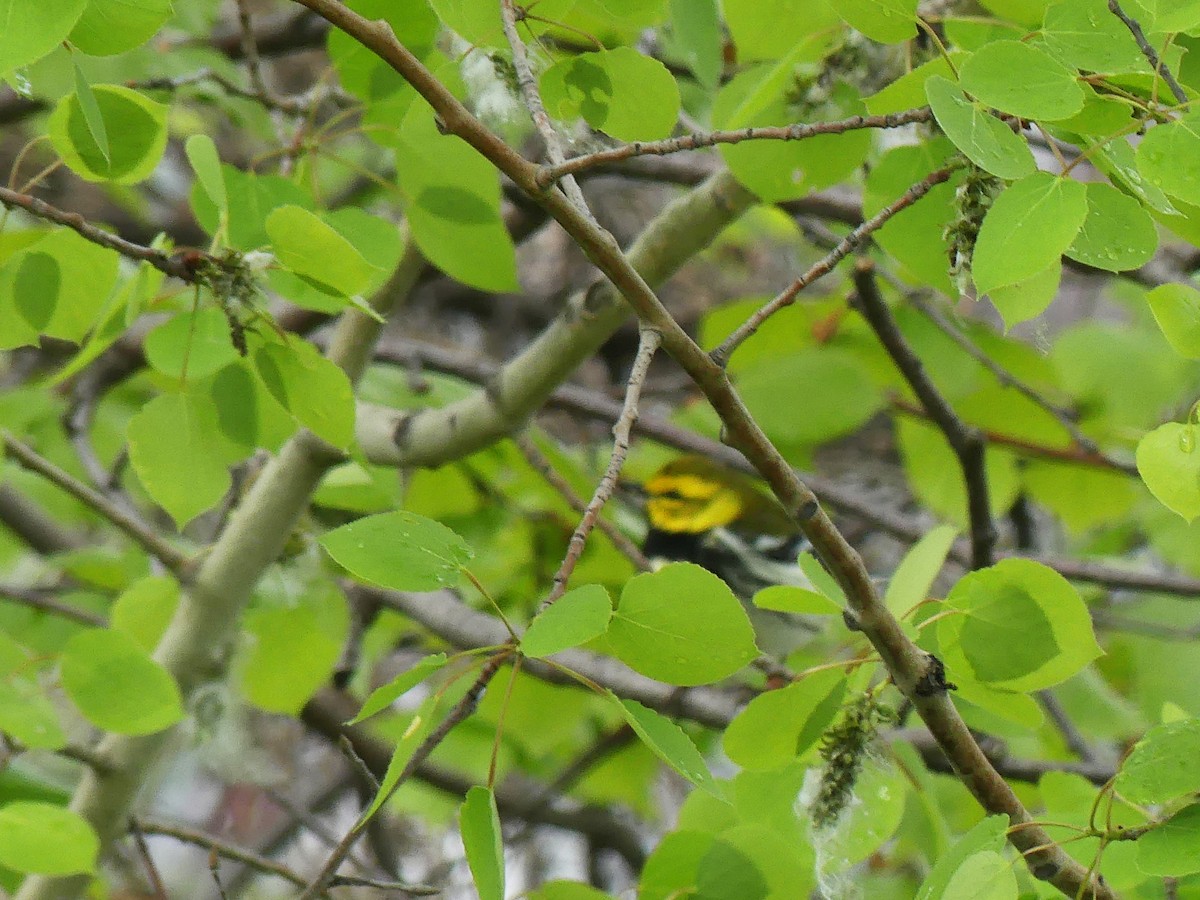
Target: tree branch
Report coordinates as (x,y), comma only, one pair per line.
(798,132)
(647,344)
(968,443)
(1160,68)
(826,264)
(909,667)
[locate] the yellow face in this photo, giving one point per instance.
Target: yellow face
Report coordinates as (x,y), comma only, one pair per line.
(683,500)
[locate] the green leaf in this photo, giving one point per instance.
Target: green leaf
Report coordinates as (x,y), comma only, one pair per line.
(914,235)
(784,170)
(1019,626)
(1084,34)
(1169,157)
(916,573)
(90,110)
(453,206)
(310,387)
(1020,79)
(820,578)
(985,875)
(1027,229)
(987,836)
(290,650)
(886,21)
(575,618)
(108,27)
(728,871)
(790,599)
(58,286)
(135,125)
(418,729)
(1176,309)
(768,29)
(1083,497)
(681,625)
(1172,849)
(31,30)
(670,744)
(778,726)
(251,198)
(670,870)
(399,550)
(206,163)
(697,29)
(175,451)
(198,340)
(936,478)
(310,248)
(144,609)
(44,839)
(387,694)
(621,92)
(568,890)
(838,395)
(1117,235)
(982,138)
(1162,765)
(116,684)
(1170,467)
(248,416)
(479,824)
(28,715)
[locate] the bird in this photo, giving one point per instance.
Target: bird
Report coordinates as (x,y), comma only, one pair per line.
(700,512)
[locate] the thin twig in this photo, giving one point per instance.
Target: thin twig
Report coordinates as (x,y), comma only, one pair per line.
(697,140)
(1072,736)
(176,561)
(173,265)
(222,848)
(299,105)
(460,712)
(43,600)
(1152,57)
(1006,378)
(967,442)
(826,264)
(250,49)
(648,341)
(139,840)
(537,459)
(533,101)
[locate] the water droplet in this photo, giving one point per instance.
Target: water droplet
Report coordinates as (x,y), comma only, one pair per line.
(1187,440)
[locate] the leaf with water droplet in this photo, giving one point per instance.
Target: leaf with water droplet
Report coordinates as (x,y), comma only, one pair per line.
(1170,469)
(399,550)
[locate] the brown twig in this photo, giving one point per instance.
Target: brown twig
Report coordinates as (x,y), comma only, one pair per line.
(459,713)
(968,443)
(648,342)
(1160,68)
(44,601)
(533,99)
(139,840)
(250,49)
(173,265)
(695,141)
(176,561)
(545,468)
(826,264)
(1008,379)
